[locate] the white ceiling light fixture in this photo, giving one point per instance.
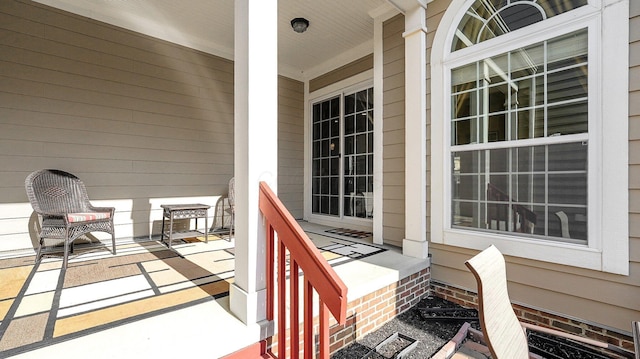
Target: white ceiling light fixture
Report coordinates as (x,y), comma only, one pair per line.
(300,24)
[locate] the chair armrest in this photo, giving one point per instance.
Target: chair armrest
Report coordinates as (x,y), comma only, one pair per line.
(53,214)
(103,209)
(592,342)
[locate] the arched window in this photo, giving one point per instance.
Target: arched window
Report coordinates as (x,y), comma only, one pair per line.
(525,129)
(486,19)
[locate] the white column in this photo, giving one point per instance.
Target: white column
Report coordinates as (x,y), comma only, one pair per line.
(379,15)
(415,242)
(378,89)
(255,147)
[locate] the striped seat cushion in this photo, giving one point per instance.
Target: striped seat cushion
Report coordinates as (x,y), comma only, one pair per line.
(89,216)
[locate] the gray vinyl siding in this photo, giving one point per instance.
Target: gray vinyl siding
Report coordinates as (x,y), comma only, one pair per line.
(602,298)
(344,72)
(141,121)
(393,133)
(291,145)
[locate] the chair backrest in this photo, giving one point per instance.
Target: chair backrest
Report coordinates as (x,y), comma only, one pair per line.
(503,332)
(232,192)
(54,191)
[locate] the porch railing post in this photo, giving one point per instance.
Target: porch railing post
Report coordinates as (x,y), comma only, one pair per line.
(270,269)
(282,303)
(324,331)
(308,319)
(294,316)
(295,249)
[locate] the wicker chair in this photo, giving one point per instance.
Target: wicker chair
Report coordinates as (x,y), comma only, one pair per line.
(231,198)
(61,201)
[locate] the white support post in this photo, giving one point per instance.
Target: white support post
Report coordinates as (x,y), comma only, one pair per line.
(378,81)
(379,15)
(255,148)
(415,242)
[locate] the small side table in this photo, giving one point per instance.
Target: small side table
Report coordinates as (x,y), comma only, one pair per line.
(184,211)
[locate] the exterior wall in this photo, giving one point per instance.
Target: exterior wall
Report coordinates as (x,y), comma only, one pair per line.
(598,298)
(353,68)
(393,132)
(291,145)
(141,121)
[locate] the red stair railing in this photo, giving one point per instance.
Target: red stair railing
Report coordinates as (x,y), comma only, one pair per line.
(318,276)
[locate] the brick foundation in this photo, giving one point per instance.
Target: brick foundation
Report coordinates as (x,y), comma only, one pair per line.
(570,325)
(366,314)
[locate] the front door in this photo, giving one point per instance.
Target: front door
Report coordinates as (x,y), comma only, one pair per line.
(342,155)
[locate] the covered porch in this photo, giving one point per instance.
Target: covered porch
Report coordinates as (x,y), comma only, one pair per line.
(149,301)
(154,102)
(172,109)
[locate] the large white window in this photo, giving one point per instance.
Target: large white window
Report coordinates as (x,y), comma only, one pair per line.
(519,141)
(523,130)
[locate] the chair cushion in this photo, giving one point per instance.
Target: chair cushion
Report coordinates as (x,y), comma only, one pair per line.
(89,216)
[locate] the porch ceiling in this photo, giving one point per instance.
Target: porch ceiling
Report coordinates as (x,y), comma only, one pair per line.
(339,31)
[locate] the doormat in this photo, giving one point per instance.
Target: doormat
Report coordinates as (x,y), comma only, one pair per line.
(349,232)
(336,250)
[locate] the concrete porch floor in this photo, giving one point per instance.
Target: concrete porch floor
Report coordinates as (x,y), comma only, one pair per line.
(209,329)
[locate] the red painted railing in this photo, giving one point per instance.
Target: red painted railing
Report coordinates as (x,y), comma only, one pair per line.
(294,247)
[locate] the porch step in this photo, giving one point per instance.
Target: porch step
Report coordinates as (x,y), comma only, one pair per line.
(254,351)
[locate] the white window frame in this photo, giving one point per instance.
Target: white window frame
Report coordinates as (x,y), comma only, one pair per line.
(608,218)
(353,84)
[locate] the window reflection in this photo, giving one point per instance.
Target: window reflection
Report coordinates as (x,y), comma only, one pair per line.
(532,190)
(533,92)
(487,19)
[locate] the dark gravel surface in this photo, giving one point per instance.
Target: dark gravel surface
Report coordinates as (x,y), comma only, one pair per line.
(432,331)
(431,334)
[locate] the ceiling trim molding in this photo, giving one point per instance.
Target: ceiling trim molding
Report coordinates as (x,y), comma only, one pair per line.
(159,30)
(346,57)
(407,5)
(384,12)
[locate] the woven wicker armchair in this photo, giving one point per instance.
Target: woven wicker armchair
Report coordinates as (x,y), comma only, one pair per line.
(61,201)
(231,198)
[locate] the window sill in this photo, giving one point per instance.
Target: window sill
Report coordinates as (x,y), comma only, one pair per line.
(547,251)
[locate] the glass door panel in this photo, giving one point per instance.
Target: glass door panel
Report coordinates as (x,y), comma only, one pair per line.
(346,135)
(325,187)
(358,154)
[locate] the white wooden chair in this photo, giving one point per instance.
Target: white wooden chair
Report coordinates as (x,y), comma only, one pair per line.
(504,334)
(635,326)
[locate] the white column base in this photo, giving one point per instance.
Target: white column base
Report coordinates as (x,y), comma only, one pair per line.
(250,308)
(415,249)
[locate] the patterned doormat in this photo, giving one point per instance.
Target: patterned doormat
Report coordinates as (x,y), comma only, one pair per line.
(42,305)
(349,232)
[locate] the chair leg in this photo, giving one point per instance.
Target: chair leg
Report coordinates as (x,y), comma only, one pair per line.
(65,257)
(113,242)
(67,244)
(39,252)
(635,329)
